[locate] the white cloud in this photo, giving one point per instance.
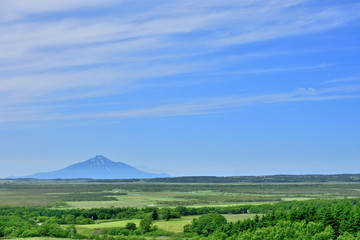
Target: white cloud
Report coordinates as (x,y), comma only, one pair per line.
(45,56)
(14,9)
(342,80)
(282,69)
(273,22)
(194,107)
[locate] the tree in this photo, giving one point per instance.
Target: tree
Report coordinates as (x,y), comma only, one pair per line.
(346,236)
(165,213)
(146,224)
(130,226)
(155,215)
(208,223)
(70,219)
(328,233)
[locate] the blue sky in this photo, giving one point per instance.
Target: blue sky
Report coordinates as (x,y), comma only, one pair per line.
(183,87)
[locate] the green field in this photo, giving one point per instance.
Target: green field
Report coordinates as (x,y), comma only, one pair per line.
(164,199)
(38,238)
(69,204)
(174,225)
(121,194)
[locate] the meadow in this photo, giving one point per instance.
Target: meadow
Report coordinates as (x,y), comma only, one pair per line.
(62,205)
(85,194)
(174,225)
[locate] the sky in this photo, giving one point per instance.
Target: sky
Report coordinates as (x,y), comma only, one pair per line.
(183,87)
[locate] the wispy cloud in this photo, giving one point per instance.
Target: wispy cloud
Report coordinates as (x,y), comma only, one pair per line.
(280,21)
(12,10)
(195,107)
(342,80)
(282,69)
(49,50)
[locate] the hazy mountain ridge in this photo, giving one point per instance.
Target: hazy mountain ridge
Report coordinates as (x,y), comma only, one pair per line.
(98,167)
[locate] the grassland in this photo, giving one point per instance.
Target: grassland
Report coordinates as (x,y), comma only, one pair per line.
(122,194)
(174,225)
(69,195)
(38,238)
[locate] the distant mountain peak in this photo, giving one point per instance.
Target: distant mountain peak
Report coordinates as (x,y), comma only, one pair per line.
(98,167)
(100,160)
(100,157)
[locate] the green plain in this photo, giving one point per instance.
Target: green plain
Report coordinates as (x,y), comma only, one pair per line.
(174,225)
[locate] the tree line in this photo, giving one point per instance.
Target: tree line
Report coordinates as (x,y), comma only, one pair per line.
(313,219)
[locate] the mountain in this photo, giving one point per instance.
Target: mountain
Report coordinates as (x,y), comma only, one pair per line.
(98,167)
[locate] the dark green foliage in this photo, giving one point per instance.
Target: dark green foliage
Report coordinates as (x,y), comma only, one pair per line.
(147,229)
(155,215)
(18,227)
(315,219)
(289,230)
(130,226)
(146,224)
(207,224)
(168,213)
